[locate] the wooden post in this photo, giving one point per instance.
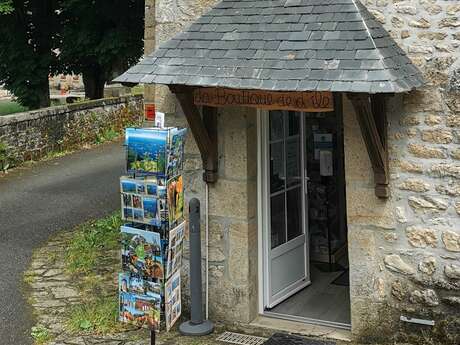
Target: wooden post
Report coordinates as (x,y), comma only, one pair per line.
(371,115)
(204,130)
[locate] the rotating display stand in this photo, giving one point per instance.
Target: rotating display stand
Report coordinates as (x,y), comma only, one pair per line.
(152,199)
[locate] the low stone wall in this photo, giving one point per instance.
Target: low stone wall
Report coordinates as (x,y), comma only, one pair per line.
(32,135)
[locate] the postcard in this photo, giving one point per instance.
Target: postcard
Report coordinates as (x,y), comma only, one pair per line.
(151,189)
(128,186)
(175,200)
(146,150)
(176,151)
(139,301)
(141,201)
(127,213)
(126,200)
(172,300)
(176,240)
(141,253)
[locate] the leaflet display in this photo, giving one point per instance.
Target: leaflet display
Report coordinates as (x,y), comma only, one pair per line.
(152,206)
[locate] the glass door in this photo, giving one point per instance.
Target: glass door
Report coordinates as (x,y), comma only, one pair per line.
(287,239)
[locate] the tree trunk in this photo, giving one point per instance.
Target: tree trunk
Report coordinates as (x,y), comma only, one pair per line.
(43,93)
(94,82)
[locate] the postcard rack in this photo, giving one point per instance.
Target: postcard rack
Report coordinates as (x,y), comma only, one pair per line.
(152,206)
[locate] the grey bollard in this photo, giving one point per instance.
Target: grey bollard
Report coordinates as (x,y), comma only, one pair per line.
(196,305)
(196,326)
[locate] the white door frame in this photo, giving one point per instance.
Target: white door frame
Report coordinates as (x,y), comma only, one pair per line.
(263,201)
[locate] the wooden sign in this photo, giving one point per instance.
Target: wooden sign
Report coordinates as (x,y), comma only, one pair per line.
(316,101)
(149,111)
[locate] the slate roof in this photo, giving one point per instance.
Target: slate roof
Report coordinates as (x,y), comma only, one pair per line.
(289,45)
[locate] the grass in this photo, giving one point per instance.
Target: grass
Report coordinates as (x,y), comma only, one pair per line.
(91,243)
(99,316)
(87,254)
(11,107)
(107,135)
(40,334)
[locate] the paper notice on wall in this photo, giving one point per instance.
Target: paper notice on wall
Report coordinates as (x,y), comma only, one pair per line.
(325,163)
(322,141)
(159,119)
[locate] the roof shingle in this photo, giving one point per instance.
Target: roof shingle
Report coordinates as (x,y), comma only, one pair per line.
(289,45)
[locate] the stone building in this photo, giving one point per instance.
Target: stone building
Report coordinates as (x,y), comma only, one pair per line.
(343,214)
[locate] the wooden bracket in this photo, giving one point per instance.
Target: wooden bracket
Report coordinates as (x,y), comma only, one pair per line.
(204,129)
(371,115)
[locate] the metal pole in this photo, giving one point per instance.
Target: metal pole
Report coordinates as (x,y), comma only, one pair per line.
(152,336)
(196,325)
(196,306)
(207,253)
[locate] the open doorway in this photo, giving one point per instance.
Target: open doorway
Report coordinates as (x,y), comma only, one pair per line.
(306,275)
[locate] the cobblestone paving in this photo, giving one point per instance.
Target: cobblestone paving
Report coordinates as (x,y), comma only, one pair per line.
(52,292)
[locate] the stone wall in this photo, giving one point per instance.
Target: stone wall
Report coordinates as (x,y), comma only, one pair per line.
(411,243)
(32,135)
(404,252)
(232,214)
(233,199)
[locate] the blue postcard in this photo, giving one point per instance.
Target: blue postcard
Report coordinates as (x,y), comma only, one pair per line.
(146,150)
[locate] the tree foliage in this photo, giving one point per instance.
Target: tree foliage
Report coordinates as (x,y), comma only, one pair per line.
(27,40)
(97,39)
(6,6)
(101,39)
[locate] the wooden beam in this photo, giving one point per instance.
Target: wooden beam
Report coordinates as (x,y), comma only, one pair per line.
(371,115)
(203,130)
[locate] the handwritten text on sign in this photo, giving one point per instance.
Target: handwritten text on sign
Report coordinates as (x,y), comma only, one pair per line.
(300,101)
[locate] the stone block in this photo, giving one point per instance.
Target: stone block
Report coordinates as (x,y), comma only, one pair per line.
(452,271)
(437,136)
(445,170)
(394,263)
(451,189)
(422,23)
(399,290)
(229,199)
(421,237)
(453,120)
(415,185)
(427,203)
(432,36)
(428,265)
(408,166)
(451,241)
(233,125)
(455,154)
(238,260)
(426,297)
(397,22)
(423,151)
(449,22)
(410,120)
(364,208)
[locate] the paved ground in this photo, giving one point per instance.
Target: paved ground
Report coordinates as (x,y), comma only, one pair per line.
(38,201)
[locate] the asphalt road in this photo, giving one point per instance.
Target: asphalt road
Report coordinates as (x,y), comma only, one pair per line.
(36,202)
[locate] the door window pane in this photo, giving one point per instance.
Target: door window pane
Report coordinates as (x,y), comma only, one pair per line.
(276,125)
(277,220)
(277,175)
(293,175)
(294,213)
(293,123)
